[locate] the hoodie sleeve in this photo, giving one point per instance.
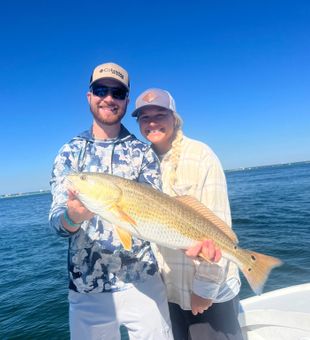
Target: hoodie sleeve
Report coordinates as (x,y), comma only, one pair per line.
(64,164)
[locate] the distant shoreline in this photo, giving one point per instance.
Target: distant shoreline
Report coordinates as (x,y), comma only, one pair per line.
(40,192)
(266,166)
(22,194)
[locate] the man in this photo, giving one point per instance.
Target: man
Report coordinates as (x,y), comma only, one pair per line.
(108,286)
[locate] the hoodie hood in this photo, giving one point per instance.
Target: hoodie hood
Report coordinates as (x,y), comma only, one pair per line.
(89,145)
(124,135)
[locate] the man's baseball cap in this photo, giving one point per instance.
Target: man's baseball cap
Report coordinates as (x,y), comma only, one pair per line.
(110,71)
(154,97)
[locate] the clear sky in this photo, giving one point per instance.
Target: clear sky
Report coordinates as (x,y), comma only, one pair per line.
(238,70)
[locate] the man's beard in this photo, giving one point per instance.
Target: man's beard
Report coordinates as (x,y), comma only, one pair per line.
(115,119)
(110,120)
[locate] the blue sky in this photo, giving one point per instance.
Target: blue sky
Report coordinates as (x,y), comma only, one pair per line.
(238,70)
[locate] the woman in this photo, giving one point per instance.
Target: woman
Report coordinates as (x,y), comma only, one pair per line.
(203,296)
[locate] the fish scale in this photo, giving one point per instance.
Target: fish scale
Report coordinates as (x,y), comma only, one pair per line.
(154,224)
(197,229)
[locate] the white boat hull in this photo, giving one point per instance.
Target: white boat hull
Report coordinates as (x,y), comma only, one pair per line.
(283,314)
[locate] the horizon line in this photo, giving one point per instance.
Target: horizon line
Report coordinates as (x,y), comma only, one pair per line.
(44,191)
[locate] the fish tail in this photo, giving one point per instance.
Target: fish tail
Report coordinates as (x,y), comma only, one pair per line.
(257,268)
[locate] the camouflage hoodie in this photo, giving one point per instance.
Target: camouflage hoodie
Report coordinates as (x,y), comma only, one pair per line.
(97,262)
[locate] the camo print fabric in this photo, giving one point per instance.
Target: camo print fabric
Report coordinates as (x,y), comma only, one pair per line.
(97,262)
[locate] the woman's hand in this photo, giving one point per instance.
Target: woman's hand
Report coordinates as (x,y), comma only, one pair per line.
(205,249)
(199,304)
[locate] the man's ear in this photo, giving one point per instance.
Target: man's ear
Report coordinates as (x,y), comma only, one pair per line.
(88,95)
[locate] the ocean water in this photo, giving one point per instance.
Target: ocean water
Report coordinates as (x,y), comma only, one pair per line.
(271,214)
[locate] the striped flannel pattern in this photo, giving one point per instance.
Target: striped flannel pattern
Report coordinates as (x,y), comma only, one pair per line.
(200,175)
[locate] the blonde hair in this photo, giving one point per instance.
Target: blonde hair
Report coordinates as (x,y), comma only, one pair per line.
(176,148)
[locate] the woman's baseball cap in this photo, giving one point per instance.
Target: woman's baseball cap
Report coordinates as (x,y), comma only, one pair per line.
(154,97)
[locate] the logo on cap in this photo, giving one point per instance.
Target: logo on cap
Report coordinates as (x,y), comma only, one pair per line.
(113,71)
(149,97)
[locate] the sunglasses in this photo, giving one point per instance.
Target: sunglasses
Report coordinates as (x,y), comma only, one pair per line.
(103,91)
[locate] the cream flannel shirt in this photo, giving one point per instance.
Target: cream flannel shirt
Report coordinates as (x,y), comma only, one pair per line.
(200,175)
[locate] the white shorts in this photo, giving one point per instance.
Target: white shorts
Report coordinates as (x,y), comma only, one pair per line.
(143,309)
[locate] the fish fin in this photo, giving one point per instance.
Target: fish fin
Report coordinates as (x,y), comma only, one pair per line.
(257,268)
(201,209)
(120,214)
(124,237)
(117,210)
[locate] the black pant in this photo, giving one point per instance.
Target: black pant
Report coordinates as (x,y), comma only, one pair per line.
(219,322)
